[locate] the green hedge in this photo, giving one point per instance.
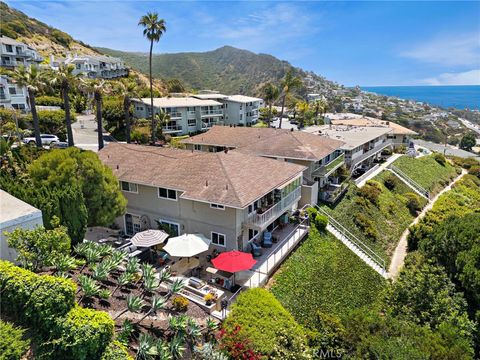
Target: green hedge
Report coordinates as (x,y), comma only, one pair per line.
(267,325)
(49,101)
(12,343)
(34,300)
(83,334)
(116,351)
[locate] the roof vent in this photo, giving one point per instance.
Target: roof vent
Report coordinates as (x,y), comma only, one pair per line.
(226,187)
(291,129)
(206,182)
(225,150)
(118,166)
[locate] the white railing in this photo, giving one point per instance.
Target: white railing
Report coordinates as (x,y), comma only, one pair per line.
(276,210)
(370,153)
(212,112)
(175,115)
(172,128)
(366,174)
(413,184)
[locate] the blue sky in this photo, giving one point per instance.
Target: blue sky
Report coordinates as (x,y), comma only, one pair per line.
(364,43)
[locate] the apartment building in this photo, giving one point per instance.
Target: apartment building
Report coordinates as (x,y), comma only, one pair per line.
(230,197)
(187,114)
(13,54)
(320,156)
(237,109)
(96,66)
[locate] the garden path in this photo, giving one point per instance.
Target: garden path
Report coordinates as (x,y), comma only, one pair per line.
(398,257)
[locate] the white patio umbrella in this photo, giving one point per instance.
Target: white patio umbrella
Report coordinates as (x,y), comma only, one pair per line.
(149,238)
(187,245)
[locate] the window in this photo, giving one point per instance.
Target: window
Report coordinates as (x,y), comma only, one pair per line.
(197,147)
(129,187)
(167,194)
(218,239)
(241,106)
(251,234)
(192,122)
(217,206)
(12,91)
(132,224)
(19,106)
(173,229)
(9,48)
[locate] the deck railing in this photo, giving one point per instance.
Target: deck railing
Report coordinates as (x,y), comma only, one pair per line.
(369,153)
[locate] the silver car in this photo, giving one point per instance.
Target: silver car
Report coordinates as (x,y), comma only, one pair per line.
(47,139)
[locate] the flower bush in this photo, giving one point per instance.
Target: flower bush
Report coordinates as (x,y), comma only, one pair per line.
(180,303)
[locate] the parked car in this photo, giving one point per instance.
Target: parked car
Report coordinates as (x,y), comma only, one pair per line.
(59,145)
(47,139)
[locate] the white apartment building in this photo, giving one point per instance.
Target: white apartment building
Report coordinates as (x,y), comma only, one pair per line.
(238,109)
(93,66)
(187,114)
(13,54)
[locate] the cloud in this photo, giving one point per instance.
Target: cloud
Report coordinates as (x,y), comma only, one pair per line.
(463,49)
(471,77)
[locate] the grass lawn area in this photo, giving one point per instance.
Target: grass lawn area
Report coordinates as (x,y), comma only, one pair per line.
(379,225)
(427,172)
(324,275)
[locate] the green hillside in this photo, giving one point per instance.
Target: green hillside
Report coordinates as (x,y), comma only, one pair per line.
(227,69)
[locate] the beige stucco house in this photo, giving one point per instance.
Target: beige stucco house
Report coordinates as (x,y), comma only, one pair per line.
(230,197)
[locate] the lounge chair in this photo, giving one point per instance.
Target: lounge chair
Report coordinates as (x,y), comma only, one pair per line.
(256,250)
(267,239)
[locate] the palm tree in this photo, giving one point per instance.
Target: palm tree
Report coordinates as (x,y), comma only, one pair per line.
(303,108)
(163,118)
(65,80)
(271,94)
(153,29)
(158,302)
(319,107)
(126,89)
(289,83)
(96,87)
(134,303)
(33,79)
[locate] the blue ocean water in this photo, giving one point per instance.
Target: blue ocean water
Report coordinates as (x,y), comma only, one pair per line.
(459,97)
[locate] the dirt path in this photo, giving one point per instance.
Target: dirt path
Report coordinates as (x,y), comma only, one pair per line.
(401,249)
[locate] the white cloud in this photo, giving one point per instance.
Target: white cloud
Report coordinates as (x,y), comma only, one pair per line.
(471,77)
(463,49)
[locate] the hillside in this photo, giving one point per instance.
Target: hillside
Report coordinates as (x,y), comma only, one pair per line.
(227,69)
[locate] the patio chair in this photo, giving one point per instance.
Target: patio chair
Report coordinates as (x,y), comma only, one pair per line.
(256,250)
(267,239)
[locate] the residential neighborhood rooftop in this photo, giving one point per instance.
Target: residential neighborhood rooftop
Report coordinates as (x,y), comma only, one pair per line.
(352,136)
(364,121)
(268,142)
(232,179)
(242,98)
(165,102)
(14,211)
(210,96)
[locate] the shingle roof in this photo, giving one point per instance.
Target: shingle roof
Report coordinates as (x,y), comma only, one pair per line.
(232,179)
(268,142)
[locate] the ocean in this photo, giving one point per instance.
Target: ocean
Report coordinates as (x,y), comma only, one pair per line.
(459,97)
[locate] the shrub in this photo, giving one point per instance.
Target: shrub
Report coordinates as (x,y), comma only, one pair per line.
(113,113)
(264,321)
(390,182)
(61,38)
(38,301)
(439,158)
(180,303)
(139,137)
(49,101)
(475,171)
(236,344)
(366,225)
(83,334)
(326,333)
(371,191)
(116,351)
(413,203)
(321,222)
(12,343)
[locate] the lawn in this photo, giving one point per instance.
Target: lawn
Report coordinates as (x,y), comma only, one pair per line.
(381,224)
(427,172)
(324,275)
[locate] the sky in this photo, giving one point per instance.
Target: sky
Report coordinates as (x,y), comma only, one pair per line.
(353,43)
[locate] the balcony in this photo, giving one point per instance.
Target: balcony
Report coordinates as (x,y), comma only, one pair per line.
(9,62)
(212,112)
(209,124)
(331,194)
(268,216)
(191,114)
(175,115)
(325,170)
(171,128)
(357,161)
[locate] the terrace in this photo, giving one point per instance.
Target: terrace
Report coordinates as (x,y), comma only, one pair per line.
(325,170)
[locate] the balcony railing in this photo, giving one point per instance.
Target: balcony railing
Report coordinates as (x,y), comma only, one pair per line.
(191,114)
(171,128)
(212,112)
(175,115)
(276,210)
(332,194)
(325,170)
(355,162)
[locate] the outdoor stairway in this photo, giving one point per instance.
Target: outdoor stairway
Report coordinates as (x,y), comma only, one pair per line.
(356,245)
(409,181)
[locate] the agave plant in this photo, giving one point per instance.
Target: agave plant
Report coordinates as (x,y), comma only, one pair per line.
(134,304)
(124,279)
(133,265)
(125,332)
(150,283)
(116,259)
(163,350)
(147,270)
(211,327)
(88,286)
(92,255)
(164,275)
(146,347)
(176,287)
(104,294)
(63,263)
(208,352)
(105,249)
(178,324)
(101,271)
(158,302)
(193,333)
(82,248)
(177,347)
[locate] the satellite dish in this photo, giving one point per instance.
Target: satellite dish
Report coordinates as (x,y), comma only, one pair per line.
(144,222)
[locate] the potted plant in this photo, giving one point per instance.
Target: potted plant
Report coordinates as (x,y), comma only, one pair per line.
(210,298)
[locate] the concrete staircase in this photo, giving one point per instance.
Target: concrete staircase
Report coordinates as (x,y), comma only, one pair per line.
(362,250)
(409,182)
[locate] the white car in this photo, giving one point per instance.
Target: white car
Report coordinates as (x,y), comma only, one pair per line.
(47,139)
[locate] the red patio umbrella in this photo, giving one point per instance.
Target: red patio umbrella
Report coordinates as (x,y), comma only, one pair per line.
(234,261)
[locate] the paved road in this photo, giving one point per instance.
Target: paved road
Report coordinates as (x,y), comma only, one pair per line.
(451,150)
(85,133)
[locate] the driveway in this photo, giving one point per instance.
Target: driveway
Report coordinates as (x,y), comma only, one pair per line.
(85,133)
(451,150)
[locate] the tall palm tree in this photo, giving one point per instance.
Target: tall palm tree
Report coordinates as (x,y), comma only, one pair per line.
(163,118)
(303,107)
(33,79)
(126,89)
(96,87)
(271,94)
(319,107)
(153,29)
(65,80)
(289,83)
